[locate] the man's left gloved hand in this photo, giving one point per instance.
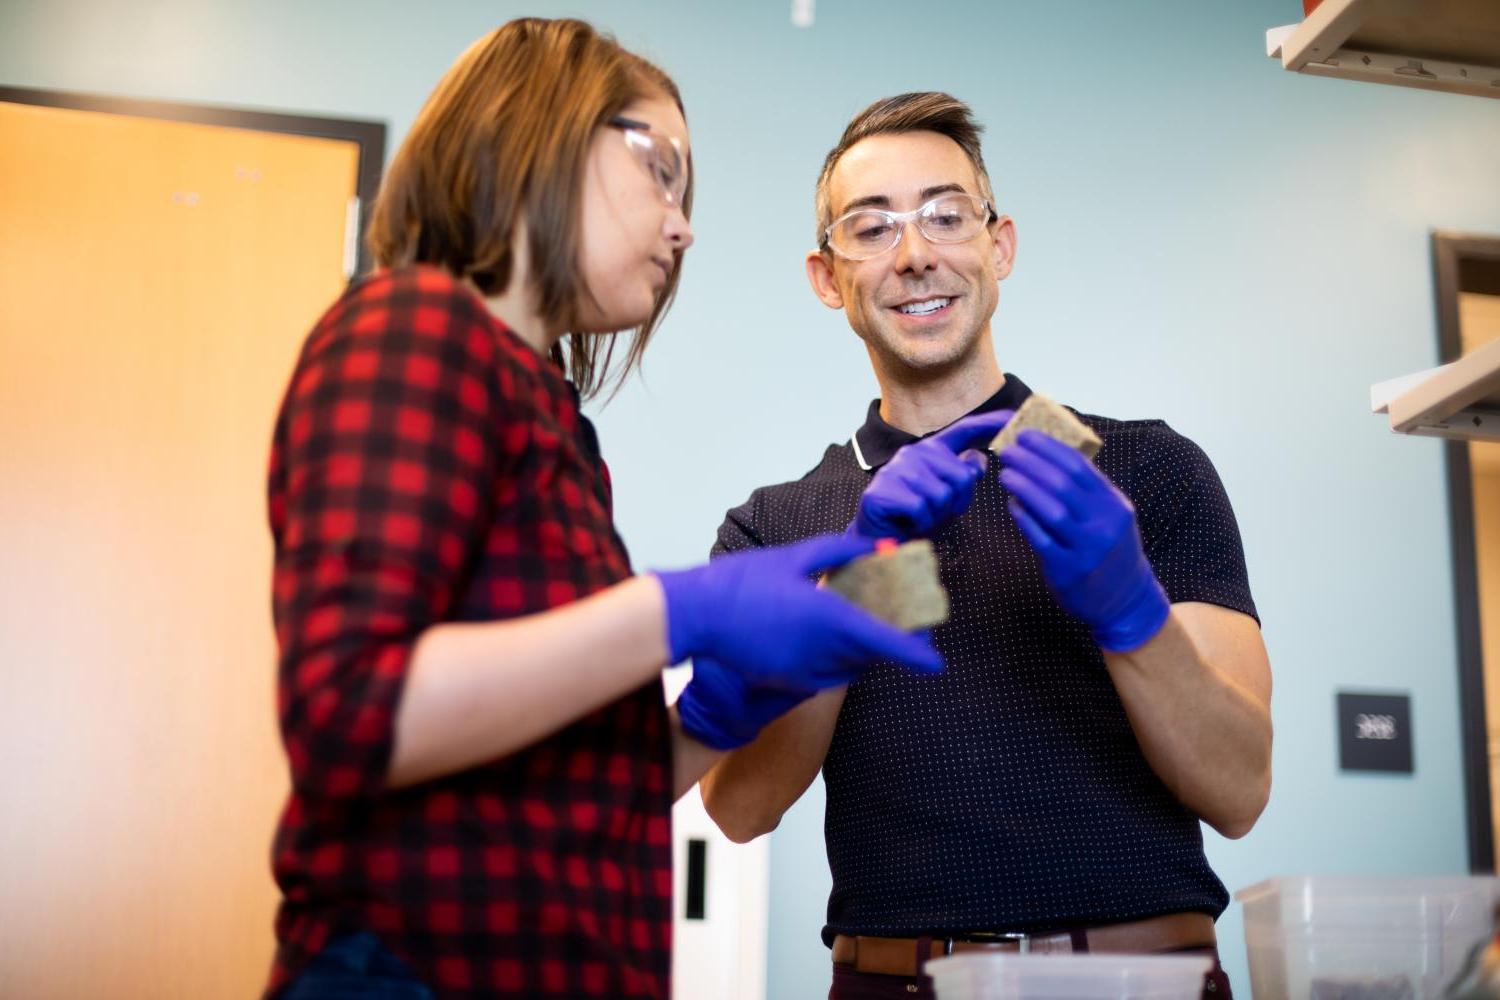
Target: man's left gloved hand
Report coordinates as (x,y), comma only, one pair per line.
(1084,532)
(721,709)
(928,482)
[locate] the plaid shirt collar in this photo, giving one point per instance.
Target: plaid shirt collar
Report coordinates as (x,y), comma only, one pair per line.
(877,441)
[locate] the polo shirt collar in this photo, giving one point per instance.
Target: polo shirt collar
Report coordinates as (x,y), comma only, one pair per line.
(877,441)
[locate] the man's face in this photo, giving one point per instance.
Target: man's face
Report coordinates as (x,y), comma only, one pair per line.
(898,173)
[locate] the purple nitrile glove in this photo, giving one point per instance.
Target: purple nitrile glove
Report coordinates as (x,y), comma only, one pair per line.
(1084,532)
(759,613)
(929,482)
(721,709)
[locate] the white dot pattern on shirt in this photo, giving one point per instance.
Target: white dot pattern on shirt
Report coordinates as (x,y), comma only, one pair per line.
(1009,793)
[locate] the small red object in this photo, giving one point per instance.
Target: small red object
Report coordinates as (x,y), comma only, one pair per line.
(885,546)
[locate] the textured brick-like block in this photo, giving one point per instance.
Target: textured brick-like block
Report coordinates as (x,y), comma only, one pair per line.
(1052,418)
(899,586)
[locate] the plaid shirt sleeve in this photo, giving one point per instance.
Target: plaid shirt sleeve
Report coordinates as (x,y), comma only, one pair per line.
(391,429)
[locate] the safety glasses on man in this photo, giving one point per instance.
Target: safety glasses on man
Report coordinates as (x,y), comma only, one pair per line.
(870,232)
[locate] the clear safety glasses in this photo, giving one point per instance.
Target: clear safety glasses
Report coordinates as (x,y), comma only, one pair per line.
(870,232)
(660,155)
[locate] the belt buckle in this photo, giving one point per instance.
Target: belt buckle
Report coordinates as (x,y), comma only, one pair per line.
(1021,941)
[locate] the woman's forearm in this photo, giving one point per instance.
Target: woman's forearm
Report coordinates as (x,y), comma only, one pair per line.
(691,759)
(475,692)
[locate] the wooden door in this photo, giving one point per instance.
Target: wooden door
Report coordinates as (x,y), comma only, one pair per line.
(156,281)
(1479,323)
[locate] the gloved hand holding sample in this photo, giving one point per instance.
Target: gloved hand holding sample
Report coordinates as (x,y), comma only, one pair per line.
(1084,532)
(760,614)
(929,482)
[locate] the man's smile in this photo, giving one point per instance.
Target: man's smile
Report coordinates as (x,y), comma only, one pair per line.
(926,307)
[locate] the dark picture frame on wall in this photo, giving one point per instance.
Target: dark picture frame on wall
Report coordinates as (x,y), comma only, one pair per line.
(369,136)
(1463,262)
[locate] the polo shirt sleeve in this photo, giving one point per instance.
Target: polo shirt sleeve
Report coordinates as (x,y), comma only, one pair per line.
(387,447)
(1188,527)
(739,529)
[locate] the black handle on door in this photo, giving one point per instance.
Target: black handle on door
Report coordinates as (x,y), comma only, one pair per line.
(697,862)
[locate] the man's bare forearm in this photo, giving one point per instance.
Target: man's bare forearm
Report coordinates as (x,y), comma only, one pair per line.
(748,791)
(1198,697)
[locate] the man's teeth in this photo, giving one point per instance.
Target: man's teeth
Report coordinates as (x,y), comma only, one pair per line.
(923,308)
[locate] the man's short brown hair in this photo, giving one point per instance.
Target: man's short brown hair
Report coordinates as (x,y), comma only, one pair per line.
(505,135)
(924,111)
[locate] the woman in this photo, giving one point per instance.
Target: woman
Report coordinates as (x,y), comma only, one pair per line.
(483,764)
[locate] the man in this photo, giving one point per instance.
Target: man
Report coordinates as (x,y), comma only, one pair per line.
(1106,687)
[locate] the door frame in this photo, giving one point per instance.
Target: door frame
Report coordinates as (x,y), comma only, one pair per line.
(1467,262)
(369,136)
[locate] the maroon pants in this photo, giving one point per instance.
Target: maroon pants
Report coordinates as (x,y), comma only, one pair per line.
(849,984)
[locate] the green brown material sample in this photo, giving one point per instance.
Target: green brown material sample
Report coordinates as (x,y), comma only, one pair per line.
(1044,414)
(899,586)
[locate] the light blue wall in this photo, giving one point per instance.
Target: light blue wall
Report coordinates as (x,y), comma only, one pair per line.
(1203,237)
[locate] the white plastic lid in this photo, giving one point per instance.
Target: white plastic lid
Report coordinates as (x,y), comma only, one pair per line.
(1076,977)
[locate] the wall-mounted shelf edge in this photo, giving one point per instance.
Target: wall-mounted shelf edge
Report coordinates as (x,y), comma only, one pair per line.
(1460,400)
(1446,45)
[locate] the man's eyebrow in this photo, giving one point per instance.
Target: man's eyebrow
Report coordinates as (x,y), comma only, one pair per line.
(868,201)
(883,201)
(933,192)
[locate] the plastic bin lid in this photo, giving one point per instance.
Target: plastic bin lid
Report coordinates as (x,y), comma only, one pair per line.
(1359,886)
(1110,976)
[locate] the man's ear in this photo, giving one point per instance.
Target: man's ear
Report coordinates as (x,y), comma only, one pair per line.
(1004,235)
(820,276)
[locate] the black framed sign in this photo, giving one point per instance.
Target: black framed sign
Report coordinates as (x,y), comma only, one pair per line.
(1374,732)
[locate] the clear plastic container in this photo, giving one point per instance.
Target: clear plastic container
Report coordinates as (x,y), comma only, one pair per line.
(1001,976)
(1346,935)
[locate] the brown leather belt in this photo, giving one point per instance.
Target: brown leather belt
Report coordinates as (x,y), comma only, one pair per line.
(898,956)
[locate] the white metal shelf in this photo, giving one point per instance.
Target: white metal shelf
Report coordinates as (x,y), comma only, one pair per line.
(1448,45)
(1459,400)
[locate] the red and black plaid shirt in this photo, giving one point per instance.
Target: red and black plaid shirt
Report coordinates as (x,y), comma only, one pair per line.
(429,467)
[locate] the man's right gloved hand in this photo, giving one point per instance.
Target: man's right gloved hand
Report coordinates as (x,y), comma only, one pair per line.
(760,614)
(928,482)
(720,709)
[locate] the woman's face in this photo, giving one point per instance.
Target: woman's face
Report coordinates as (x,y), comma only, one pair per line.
(631,235)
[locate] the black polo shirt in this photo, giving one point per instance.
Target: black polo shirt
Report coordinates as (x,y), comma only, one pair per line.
(1008,793)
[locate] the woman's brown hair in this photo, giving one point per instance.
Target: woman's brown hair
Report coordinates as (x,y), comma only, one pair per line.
(505,134)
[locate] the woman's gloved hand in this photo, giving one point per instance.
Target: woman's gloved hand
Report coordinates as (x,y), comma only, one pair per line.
(929,482)
(760,614)
(1084,532)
